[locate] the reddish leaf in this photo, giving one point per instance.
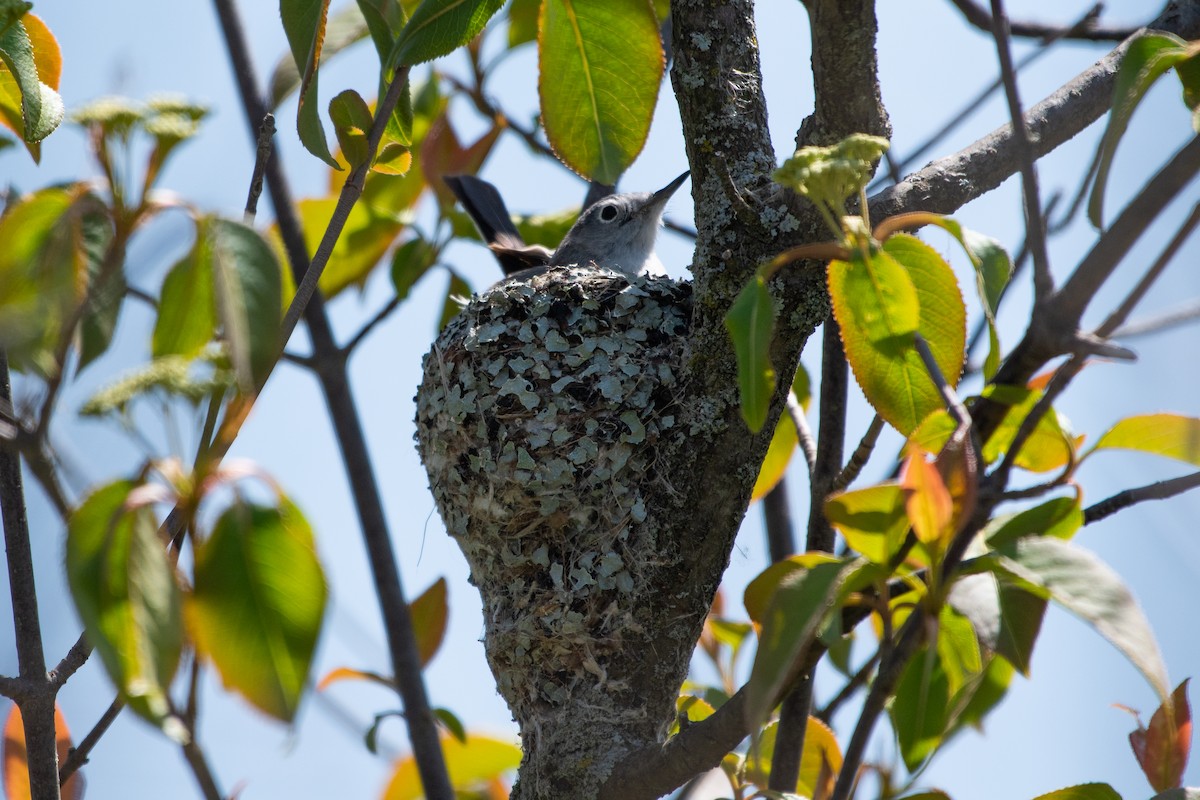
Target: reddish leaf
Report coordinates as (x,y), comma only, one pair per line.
(1162,749)
(14,764)
(348,673)
(927,500)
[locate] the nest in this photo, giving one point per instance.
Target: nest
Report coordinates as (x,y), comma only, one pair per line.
(541,411)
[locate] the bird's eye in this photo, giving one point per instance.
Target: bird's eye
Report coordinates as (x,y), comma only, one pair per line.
(608,213)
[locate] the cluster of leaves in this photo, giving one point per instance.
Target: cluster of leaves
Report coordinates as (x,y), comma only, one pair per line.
(216,335)
(918,544)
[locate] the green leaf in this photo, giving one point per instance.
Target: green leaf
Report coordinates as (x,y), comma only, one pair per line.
(600,64)
(99,321)
(352,124)
(1087,587)
(958,649)
(920,708)
(429,613)
(876,305)
(258,603)
(475,762)
(1086,791)
(410,262)
(438,27)
(343,29)
(187,310)
(304,24)
(43,265)
(750,322)
(451,723)
(1049,447)
(458,291)
(522,22)
(1171,435)
(1146,59)
(246,280)
(1059,517)
(872,520)
(1021,615)
(798,608)
(992,686)
(993,269)
(124,588)
(22,75)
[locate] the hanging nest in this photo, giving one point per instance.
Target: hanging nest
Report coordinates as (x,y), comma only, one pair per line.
(540,413)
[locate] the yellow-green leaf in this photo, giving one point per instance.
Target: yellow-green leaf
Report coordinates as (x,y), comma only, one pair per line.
(1171,435)
(872,520)
(471,764)
(600,63)
(362,245)
(927,501)
(1049,447)
(438,27)
(304,24)
(258,603)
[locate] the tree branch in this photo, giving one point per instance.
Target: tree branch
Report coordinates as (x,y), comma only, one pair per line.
(406,664)
(1154,491)
(37,706)
(949,183)
(1088,28)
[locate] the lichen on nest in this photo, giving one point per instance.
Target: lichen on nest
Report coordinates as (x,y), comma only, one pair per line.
(540,413)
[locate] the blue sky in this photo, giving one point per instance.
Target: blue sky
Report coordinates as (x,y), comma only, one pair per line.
(1056,730)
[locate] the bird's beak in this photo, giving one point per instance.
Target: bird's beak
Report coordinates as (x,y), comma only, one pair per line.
(660,197)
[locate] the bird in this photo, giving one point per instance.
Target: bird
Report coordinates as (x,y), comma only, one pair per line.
(616,232)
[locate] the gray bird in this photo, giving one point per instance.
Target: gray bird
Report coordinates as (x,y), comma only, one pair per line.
(616,232)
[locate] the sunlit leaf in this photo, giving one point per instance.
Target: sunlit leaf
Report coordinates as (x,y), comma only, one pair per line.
(1059,517)
(761,589)
(601,63)
(927,501)
(124,588)
(352,120)
(187,310)
(472,763)
(1171,435)
(522,22)
(958,649)
(14,758)
(750,322)
(1049,447)
(438,27)
(364,241)
(872,520)
(343,29)
(779,455)
(173,376)
(258,603)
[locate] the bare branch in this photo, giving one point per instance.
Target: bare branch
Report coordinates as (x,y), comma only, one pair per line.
(949,183)
(78,756)
(858,459)
(804,435)
(1035,226)
(1161,322)
(1154,491)
(1122,313)
(831,434)
(262,154)
(1087,28)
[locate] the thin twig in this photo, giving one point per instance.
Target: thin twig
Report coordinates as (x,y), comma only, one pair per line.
(953,405)
(1035,229)
(369,326)
(856,682)
(78,755)
(406,665)
(858,459)
(194,755)
(1087,28)
(1160,322)
(1156,269)
(804,435)
(262,154)
(1060,380)
(1154,491)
